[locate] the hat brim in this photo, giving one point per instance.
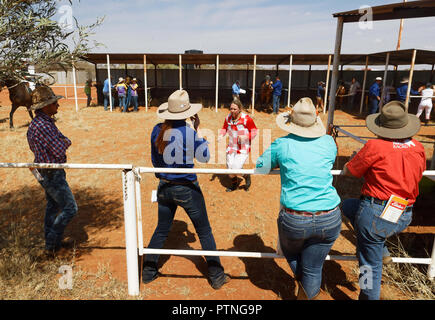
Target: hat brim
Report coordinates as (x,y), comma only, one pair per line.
(374,125)
(45,103)
(314,131)
(163,113)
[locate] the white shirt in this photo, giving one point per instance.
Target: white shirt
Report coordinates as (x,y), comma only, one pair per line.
(426,96)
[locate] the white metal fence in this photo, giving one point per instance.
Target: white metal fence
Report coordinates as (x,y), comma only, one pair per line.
(133,217)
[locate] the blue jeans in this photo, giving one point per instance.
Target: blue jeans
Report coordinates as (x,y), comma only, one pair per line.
(374,105)
(61,206)
(191,199)
(371,233)
(122,104)
(305,242)
(134,102)
(106,100)
(275,102)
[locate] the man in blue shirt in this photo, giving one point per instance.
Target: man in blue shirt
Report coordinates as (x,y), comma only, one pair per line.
(277,88)
(106,91)
(236,89)
(375,95)
(402,90)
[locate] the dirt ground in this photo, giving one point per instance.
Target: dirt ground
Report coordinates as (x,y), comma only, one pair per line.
(241,221)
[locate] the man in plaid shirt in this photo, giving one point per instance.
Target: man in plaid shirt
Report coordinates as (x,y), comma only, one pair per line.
(49,146)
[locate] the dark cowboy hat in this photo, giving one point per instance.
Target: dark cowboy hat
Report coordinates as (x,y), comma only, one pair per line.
(393,122)
(43,96)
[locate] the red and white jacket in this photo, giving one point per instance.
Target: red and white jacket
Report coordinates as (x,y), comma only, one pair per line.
(244,126)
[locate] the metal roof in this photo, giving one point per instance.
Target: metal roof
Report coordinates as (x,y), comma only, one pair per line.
(401,10)
(400,57)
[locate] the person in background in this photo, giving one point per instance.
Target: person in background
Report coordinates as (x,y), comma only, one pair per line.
(241,130)
(236,89)
(49,145)
(402,90)
(182,190)
(128,97)
(107,91)
(392,166)
(375,95)
(353,91)
(87,90)
(276,94)
(426,102)
(121,88)
(309,220)
(134,95)
(320,95)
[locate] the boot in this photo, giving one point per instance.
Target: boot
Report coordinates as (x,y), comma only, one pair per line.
(233,185)
(248,181)
(302,295)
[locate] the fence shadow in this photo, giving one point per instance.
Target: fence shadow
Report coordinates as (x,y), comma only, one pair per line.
(22,212)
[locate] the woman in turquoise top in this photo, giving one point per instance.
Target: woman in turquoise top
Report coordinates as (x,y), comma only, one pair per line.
(309,220)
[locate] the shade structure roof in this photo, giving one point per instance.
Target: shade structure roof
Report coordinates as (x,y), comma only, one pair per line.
(400,57)
(401,10)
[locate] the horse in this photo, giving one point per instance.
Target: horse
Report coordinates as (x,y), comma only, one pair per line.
(266,92)
(19,95)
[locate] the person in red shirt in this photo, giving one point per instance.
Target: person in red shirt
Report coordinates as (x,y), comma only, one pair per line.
(241,130)
(391,165)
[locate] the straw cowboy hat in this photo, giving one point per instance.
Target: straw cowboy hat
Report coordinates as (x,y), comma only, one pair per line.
(178,107)
(43,96)
(378,79)
(303,121)
(120,79)
(393,122)
(404,80)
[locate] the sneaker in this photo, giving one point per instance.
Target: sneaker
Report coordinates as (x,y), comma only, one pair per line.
(248,181)
(217,284)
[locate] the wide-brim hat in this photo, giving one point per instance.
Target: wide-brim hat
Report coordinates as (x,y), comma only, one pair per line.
(393,122)
(178,107)
(302,121)
(404,80)
(43,96)
(378,79)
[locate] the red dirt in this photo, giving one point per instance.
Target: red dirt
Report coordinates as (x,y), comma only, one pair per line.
(104,137)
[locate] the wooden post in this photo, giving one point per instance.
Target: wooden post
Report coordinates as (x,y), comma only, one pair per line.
(289,80)
(431,74)
(253,84)
(384,84)
(309,79)
(400,32)
(411,73)
(217,82)
(363,92)
(155,76)
(110,83)
(179,72)
(145,81)
(327,84)
(336,63)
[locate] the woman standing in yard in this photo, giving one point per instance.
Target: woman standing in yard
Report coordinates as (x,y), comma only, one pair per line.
(241,130)
(174,144)
(309,220)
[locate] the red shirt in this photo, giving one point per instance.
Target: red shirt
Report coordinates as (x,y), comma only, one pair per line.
(244,126)
(390,167)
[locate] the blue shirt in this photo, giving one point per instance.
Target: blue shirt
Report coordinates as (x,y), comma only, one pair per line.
(401,92)
(106,86)
(320,91)
(183,146)
(374,91)
(277,87)
(236,89)
(305,168)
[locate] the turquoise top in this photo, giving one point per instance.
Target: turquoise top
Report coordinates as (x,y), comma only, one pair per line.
(305,168)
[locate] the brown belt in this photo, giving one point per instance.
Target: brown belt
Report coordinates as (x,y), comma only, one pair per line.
(307,213)
(178,182)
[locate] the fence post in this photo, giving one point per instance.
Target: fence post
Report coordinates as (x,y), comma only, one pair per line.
(128,185)
(431,269)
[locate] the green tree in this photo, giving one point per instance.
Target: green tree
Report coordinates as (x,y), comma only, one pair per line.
(29,35)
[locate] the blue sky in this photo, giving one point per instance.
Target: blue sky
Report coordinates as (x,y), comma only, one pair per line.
(244,26)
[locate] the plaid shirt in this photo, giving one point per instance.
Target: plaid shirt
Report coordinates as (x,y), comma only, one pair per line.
(46,141)
(244,126)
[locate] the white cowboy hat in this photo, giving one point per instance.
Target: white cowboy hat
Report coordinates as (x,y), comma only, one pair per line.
(43,96)
(378,78)
(404,80)
(120,79)
(303,121)
(178,107)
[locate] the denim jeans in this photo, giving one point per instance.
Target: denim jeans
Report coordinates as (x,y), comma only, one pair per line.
(275,102)
(61,206)
(89,99)
(371,233)
(191,199)
(305,242)
(122,104)
(134,102)
(374,105)
(106,100)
